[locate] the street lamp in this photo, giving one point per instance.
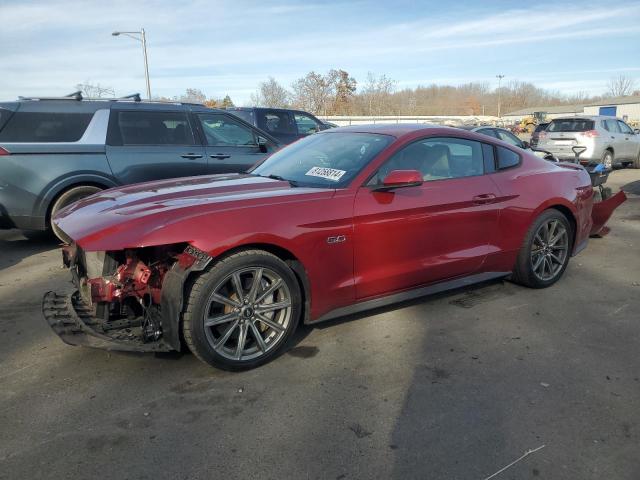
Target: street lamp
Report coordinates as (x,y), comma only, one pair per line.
(499,77)
(140,36)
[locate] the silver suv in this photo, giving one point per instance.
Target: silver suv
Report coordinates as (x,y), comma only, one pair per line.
(608,140)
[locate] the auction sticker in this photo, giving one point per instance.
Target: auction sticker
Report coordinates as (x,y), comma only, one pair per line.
(328,173)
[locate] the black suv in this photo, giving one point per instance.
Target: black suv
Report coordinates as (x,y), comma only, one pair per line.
(284,124)
(54,151)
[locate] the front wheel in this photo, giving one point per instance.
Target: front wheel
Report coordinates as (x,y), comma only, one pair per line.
(545,252)
(241,313)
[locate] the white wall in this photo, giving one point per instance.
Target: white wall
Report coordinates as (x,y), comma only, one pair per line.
(632,110)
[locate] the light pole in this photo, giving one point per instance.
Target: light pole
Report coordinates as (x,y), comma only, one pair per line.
(140,36)
(499,77)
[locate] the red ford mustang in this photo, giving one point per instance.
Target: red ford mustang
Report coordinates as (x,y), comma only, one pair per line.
(339,222)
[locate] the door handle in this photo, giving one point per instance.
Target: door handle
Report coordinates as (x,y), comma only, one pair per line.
(484,198)
(191,156)
(220,156)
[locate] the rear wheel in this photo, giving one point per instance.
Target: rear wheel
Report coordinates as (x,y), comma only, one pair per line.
(636,162)
(67,198)
(545,252)
(242,312)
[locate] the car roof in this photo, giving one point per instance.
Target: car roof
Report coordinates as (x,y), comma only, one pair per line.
(250,109)
(393,129)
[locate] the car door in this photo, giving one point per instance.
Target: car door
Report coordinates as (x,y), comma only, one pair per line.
(231,146)
(631,143)
(145,145)
(616,139)
(278,123)
(418,235)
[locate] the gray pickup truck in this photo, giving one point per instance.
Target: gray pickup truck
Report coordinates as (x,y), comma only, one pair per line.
(54,151)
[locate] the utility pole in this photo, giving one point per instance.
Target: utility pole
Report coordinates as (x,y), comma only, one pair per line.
(142,38)
(499,77)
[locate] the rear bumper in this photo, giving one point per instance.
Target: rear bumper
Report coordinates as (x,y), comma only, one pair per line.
(71,319)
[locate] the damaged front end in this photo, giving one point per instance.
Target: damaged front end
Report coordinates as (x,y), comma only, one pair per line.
(127,300)
(604,203)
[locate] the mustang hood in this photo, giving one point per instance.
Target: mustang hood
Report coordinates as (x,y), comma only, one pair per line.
(151,213)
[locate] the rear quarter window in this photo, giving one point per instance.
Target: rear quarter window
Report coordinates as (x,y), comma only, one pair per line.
(507,158)
(36,127)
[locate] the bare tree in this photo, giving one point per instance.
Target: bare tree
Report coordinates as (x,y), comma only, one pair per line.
(96,90)
(312,93)
(621,86)
(192,95)
(271,94)
(377,92)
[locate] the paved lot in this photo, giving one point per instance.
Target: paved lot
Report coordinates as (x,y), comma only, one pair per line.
(451,387)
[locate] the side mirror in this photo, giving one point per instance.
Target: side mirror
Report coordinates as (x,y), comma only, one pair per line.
(400,179)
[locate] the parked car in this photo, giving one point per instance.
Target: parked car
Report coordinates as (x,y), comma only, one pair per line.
(507,136)
(535,136)
(608,140)
(284,124)
(54,151)
(336,223)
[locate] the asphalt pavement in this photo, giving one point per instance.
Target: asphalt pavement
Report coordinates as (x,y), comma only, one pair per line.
(449,387)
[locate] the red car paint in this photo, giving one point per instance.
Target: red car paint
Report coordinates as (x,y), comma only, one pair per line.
(394,240)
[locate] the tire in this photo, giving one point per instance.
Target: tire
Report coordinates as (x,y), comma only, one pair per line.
(636,162)
(228,297)
(67,198)
(539,254)
(607,159)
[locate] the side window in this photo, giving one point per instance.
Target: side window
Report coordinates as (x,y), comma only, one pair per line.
(220,129)
(45,127)
(276,122)
(154,128)
(306,125)
(437,159)
(612,126)
(624,128)
(509,138)
(507,158)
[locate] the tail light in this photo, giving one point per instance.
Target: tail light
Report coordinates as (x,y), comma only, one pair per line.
(4,152)
(590,133)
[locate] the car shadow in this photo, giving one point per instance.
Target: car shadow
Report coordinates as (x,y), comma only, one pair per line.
(16,245)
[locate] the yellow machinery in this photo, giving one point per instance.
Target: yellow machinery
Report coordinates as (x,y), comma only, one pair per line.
(528,124)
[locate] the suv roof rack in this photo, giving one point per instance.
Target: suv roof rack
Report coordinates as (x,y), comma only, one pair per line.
(72,96)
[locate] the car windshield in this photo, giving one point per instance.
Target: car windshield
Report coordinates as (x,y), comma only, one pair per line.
(325,160)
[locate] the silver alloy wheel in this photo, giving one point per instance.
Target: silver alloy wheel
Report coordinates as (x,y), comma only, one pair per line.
(549,250)
(248,313)
(608,160)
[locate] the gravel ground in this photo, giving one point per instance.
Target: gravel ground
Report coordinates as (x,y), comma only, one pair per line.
(449,387)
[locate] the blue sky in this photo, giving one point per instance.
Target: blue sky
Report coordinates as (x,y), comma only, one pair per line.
(220,47)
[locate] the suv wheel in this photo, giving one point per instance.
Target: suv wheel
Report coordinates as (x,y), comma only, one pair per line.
(242,312)
(67,198)
(607,159)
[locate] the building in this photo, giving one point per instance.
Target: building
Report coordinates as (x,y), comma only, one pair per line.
(627,108)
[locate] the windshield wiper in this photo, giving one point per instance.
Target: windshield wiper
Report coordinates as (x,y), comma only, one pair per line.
(278,177)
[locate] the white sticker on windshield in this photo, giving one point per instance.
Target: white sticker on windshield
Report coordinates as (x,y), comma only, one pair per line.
(328,173)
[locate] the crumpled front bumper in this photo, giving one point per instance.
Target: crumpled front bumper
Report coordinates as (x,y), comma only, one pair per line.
(72,320)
